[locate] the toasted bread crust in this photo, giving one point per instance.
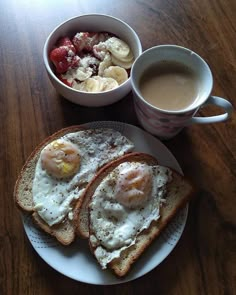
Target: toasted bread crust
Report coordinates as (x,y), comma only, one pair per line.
(63,232)
(179,191)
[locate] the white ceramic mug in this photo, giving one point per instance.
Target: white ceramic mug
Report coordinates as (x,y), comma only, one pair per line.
(166,124)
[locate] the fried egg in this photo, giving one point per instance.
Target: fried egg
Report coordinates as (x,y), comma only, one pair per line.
(66,166)
(124,204)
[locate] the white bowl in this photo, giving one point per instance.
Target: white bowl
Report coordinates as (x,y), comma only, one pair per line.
(93,23)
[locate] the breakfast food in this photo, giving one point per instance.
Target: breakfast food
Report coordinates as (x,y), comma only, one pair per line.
(58,171)
(129,203)
(92,62)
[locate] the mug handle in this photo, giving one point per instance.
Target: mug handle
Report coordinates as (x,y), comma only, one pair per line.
(215,100)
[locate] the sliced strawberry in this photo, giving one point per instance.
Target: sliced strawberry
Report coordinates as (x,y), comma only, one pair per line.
(65,41)
(80,41)
(93,39)
(84,41)
(63,58)
(65,81)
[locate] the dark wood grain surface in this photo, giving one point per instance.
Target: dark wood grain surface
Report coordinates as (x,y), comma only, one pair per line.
(204,260)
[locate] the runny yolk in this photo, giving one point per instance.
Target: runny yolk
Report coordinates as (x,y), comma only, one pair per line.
(60,158)
(133,186)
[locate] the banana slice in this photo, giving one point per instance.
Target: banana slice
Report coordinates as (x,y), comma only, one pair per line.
(83,73)
(104,64)
(77,86)
(122,64)
(117,73)
(117,47)
(80,74)
(106,83)
(128,59)
(92,85)
(88,85)
(109,84)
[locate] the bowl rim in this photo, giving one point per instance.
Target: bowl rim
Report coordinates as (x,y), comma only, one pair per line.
(52,74)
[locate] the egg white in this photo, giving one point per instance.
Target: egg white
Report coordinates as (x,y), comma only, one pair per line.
(115,227)
(53,198)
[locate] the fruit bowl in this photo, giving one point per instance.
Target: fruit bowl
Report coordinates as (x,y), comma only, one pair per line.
(89,35)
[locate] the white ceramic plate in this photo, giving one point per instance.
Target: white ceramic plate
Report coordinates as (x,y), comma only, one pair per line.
(76,261)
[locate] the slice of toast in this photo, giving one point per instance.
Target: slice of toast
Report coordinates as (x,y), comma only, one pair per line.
(81,208)
(64,231)
(179,191)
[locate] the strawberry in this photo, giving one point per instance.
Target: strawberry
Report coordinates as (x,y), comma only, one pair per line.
(85,40)
(64,80)
(63,58)
(65,41)
(93,39)
(80,40)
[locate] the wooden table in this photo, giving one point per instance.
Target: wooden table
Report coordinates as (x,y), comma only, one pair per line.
(204,260)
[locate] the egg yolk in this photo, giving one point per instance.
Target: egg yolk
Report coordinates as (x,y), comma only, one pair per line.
(133,186)
(60,158)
